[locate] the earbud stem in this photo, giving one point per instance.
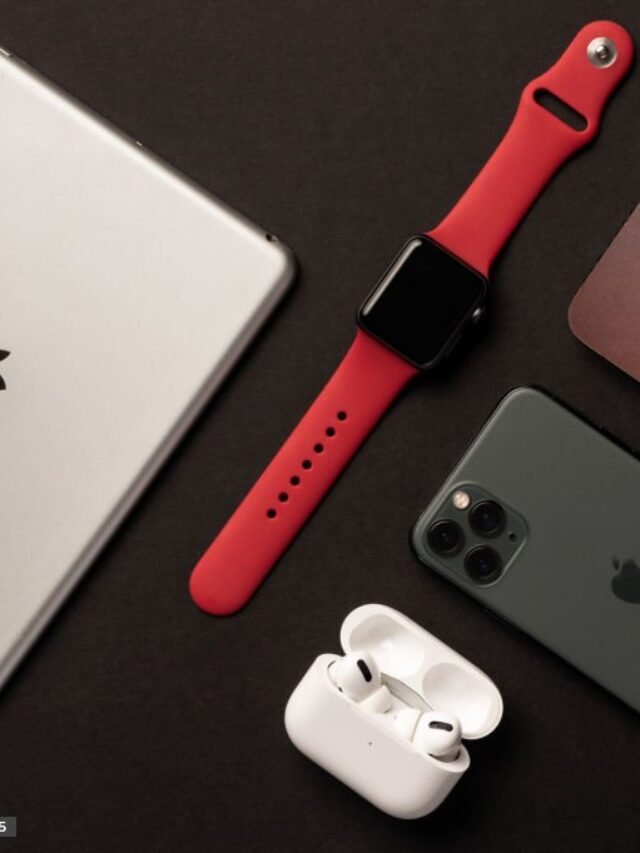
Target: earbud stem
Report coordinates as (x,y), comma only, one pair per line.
(379,702)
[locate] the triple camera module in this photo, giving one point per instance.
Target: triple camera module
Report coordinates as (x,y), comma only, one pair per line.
(475,531)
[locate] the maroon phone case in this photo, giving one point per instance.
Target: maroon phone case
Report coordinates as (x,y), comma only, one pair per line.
(605,312)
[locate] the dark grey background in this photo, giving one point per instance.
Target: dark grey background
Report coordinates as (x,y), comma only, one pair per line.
(140,724)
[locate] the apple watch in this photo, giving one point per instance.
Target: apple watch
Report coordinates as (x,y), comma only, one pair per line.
(431,294)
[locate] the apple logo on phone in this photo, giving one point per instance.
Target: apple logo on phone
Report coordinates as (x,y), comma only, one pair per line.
(3,354)
(626,583)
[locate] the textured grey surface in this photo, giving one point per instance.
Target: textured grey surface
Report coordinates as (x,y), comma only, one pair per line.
(139,723)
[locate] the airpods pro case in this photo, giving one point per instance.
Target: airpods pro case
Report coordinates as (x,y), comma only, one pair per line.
(361,747)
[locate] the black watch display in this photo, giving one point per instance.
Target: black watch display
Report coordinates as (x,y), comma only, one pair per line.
(423,303)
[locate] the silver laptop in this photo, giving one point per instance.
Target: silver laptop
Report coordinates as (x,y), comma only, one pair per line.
(126,295)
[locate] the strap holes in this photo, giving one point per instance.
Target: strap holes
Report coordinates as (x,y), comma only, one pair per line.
(342,416)
(560,109)
(283,497)
(307,464)
(330,431)
(271,513)
(295,481)
(318,448)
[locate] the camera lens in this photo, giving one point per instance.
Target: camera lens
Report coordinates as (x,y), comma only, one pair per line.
(487,518)
(445,537)
(483,564)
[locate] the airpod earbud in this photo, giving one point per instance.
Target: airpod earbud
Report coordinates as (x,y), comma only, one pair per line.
(358,677)
(433,732)
(438,734)
(405,721)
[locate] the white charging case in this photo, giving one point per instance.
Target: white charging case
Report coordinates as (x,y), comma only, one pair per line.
(360,747)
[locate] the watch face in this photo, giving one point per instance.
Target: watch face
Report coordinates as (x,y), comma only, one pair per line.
(422,303)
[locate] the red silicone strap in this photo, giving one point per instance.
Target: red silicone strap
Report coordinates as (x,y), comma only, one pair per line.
(533,149)
(371,376)
(363,387)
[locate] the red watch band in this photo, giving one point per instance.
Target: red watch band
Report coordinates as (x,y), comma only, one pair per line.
(371,376)
(534,147)
(363,387)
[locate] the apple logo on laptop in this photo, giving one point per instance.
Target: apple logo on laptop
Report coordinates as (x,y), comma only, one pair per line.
(3,354)
(626,583)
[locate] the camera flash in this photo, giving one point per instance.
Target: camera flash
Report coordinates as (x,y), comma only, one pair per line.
(461,500)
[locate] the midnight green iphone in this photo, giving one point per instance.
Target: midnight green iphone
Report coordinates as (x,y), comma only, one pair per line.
(540,521)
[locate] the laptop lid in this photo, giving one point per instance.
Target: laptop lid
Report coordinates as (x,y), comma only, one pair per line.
(126,295)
